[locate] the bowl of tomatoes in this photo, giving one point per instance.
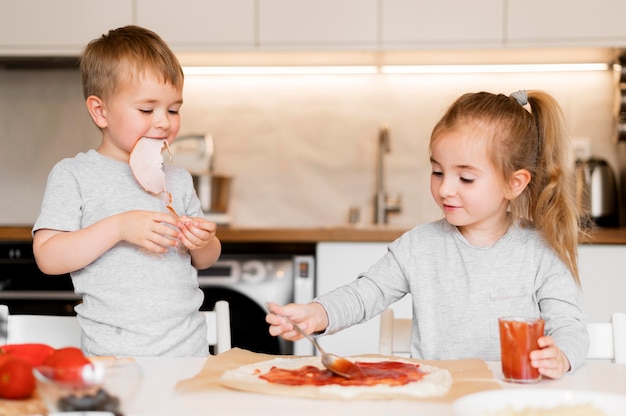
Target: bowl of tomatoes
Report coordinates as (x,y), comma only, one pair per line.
(69,383)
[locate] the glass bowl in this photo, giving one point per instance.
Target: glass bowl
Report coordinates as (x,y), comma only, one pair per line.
(103,385)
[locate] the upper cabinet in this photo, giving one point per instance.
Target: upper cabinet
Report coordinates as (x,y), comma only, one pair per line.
(193,25)
(59,27)
(63,27)
(443,23)
(566,23)
(320,24)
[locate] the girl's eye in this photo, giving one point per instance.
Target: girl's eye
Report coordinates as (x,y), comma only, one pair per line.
(145,111)
(173,111)
(465,180)
(438,174)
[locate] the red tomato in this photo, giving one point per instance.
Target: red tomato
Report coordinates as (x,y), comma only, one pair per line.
(16,379)
(34,354)
(68,364)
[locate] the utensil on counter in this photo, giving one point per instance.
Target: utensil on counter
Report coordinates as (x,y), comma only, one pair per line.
(334,363)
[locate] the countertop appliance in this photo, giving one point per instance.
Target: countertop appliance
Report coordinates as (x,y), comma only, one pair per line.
(196,153)
(597,191)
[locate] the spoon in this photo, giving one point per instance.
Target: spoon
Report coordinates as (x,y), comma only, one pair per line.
(336,364)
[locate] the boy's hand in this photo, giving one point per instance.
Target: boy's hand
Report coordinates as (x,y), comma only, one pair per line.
(549,360)
(154,231)
(196,233)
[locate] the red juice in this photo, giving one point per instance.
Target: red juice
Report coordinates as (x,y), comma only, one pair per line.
(518,337)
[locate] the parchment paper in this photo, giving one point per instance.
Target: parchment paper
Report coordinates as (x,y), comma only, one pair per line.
(468,376)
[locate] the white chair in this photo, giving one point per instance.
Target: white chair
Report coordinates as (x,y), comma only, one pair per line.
(56,331)
(607,340)
(64,331)
(395,334)
(218,326)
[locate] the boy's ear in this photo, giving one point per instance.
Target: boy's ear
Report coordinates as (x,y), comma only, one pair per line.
(519,180)
(96,109)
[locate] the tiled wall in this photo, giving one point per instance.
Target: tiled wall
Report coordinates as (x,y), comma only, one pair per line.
(301,148)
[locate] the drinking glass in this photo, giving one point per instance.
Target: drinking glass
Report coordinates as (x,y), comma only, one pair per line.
(518,337)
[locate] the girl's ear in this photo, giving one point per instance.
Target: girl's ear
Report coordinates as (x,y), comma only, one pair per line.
(519,180)
(96,109)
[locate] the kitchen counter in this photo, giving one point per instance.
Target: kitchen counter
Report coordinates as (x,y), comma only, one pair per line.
(315,235)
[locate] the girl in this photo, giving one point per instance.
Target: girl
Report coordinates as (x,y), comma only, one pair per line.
(502,175)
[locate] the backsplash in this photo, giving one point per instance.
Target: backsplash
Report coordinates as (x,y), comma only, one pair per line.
(301,149)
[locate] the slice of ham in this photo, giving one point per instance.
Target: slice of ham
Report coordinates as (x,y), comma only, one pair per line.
(146,163)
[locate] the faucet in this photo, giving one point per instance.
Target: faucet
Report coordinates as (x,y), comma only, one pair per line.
(383,204)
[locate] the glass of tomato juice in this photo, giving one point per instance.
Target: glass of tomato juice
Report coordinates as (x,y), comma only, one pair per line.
(518,337)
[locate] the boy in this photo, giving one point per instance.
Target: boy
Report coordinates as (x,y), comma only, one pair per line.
(134,264)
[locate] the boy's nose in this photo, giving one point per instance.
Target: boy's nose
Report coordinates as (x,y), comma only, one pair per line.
(161,121)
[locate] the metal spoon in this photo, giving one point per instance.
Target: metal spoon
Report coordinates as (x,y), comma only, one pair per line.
(336,364)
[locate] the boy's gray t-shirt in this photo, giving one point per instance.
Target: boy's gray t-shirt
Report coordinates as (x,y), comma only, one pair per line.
(459,291)
(134,302)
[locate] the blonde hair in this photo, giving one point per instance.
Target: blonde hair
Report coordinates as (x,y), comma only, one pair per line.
(128,51)
(534,140)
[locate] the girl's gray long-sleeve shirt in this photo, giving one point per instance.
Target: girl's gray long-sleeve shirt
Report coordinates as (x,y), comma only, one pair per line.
(459,291)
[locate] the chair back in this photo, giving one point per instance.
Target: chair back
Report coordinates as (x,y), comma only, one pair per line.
(65,331)
(56,331)
(395,334)
(218,326)
(607,340)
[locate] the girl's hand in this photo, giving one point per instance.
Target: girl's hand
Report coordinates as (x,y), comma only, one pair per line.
(196,233)
(154,231)
(549,360)
(310,317)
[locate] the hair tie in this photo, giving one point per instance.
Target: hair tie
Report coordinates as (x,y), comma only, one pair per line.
(520,96)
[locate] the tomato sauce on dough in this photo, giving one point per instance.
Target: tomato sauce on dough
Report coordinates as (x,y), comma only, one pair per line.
(392,373)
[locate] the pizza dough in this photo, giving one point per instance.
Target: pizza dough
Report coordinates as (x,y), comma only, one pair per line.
(435,384)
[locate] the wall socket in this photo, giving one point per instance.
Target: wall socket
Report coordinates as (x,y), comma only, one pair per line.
(582,148)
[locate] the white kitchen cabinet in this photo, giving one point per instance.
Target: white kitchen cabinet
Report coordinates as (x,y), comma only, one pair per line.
(603,279)
(320,24)
(566,23)
(192,25)
(338,263)
(59,27)
(443,23)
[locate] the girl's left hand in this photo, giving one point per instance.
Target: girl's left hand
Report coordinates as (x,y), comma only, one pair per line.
(549,360)
(196,233)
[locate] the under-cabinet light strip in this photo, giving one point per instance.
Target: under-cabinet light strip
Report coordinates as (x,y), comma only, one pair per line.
(390,69)
(469,69)
(279,70)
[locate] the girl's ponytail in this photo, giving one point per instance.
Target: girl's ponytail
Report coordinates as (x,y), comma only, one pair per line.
(552,200)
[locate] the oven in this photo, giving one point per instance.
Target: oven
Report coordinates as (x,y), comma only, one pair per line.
(247,276)
(26,290)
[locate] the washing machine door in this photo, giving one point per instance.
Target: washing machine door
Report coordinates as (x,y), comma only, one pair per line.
(247,321)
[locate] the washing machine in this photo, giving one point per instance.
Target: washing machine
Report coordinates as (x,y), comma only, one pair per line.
(248,282)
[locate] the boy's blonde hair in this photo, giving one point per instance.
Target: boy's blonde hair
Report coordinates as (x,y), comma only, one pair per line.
(122,54)
(534,140)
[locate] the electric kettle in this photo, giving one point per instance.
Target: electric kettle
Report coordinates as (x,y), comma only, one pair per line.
(597,192)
